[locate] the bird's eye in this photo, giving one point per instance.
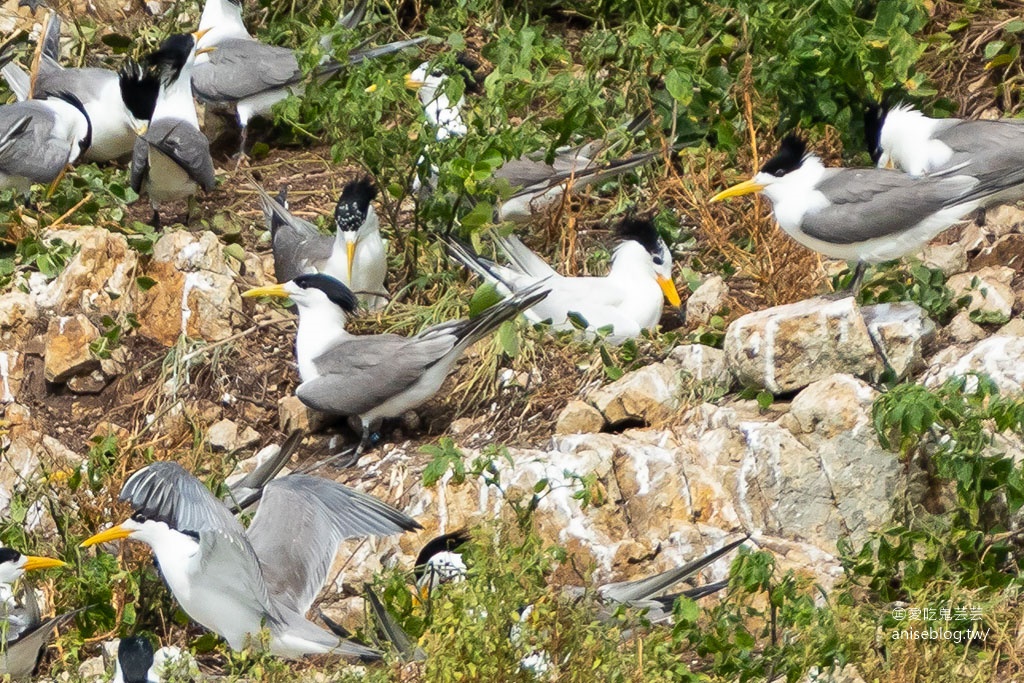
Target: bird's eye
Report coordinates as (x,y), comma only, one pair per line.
(437,73)
(140,518)
(779,173)
(658,260)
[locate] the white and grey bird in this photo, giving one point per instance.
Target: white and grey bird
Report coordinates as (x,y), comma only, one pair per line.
(40,138)
(115,122)
(356,254)
(250,76)
(25,631)
(171,160)
(376,376)
(866,215)
(537,185)
(237,581)
(903,138)
(619,305)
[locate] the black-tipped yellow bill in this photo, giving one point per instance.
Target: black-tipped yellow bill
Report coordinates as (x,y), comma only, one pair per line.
(746,187)
(351,258)
(33,562)
(669,288)
(269,290)
(114,533)
(411,83)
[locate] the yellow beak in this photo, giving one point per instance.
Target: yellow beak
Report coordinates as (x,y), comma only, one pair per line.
(411,83)
(32,562)
(890,164)
(269,290)
(204,50)
(746,187)
(351,259)
(198,35)
(114,533)
(669,288)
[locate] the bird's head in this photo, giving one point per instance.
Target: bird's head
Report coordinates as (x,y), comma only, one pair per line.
(139,90)
(311,292)
(354,216)
(154,531)
(134,659)
(642,232)
(176,54)
(874,124)
(440,562)
(781,169)
(13,564)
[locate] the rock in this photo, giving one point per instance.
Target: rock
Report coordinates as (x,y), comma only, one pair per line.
(12,373)
(999,357)
(1014,328)
(294,414)
(1003,219)
(224,436)
(1007,251)
(93,383)
(194,292)
(97,280)
(18,311)
(579,417)
(961,330)
(67,351)
(647,395)
(901,332)
(92,668)
(709,299)
(949,258)
(787,347)
(991,294)
(705,364)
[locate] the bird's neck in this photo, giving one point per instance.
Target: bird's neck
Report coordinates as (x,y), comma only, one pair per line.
(320,327)
(221,20)
(175,100)
(907,135)
(631,261)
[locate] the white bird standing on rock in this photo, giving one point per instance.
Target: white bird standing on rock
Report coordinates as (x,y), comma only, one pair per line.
(623,303)
(236,582)
(376,376)
(171,160)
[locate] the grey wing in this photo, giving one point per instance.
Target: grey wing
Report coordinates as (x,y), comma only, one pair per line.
(140,164)
(241,68)
(360,373)
(35,153)
(992,151)
(249,488)
(297,245)
(85,84)
(165,491)
(872,202)
(231,566)
(298,526)
(21,656)
(186,146)
(524,172)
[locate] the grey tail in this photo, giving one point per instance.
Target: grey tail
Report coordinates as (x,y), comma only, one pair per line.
(644,589)
(392,630)
(18,80)
(251,485)
(50,46)
(363,54)
(464,253)
(273,218)
(693,593)
(354,16)
(468,331)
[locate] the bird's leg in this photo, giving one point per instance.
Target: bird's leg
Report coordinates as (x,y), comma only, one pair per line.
(189,208)
(241,148)
(56,181)
(858,278)
(155,220)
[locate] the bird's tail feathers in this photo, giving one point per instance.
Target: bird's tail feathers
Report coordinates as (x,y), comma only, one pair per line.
(11,135)
(362,54)
(475,328)
(522,257)
(251,485)
(49,47)
(392,630)
(695,593)
(485,269)
(18,80)
(354,16)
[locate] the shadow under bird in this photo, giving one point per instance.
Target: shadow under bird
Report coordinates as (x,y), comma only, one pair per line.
(537,184)
(252,76)
(171,160)
(626,301)
(114,122)
(865,215)
(237,581)
(376,376)
(356,254)
(40,138)
(25,631)
(905,139)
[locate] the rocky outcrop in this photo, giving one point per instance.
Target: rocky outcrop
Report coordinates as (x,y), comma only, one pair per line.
(990,292)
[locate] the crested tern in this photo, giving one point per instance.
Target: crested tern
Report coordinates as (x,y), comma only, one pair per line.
(40,139)
(236,582)
(171,160)
(114,124)
(866,215)
(135,661)
(902,137)
(537,185)
(356,254)
(626,301)
(376,376)
(251,76)
(26,633)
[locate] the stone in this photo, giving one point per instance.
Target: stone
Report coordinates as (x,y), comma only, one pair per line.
(999,357)
(949,258)
(195,292)
(1007,250)
(67,351)
(92,668)
(705,364)
(12,374)
(785,348)
(991,294)
(579,417)
(93,383)
(293,414)
(1003,219)
(647,395)
(1014,328)
(707,300)
(961,330)
(18,311)
(225,436)
(98,280)
(901,332)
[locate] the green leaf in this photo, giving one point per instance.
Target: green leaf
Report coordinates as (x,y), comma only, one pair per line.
(145,282)
(485,296)
(508,338)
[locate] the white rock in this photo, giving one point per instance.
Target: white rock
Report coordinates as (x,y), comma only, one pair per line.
(702,363)
(901,332)
(709,299)
(949,258)
(991,294)
(999,357)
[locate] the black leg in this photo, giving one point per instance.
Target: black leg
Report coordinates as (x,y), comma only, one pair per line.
(858,278)
(155,220)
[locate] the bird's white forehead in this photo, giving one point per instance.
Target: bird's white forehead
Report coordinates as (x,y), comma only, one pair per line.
(447,566)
